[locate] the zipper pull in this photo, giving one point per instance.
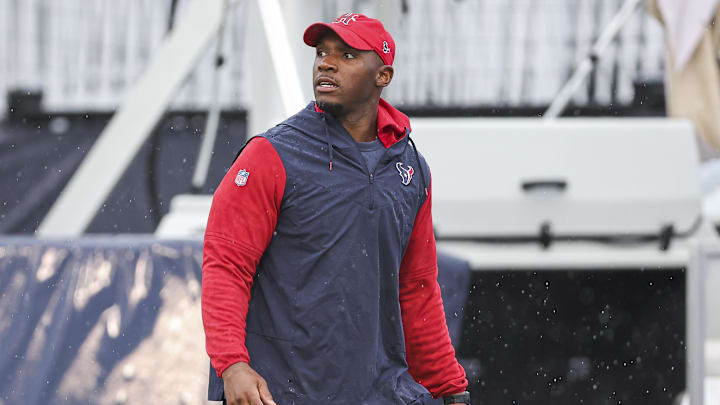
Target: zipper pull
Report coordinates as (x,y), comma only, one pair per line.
(372,178)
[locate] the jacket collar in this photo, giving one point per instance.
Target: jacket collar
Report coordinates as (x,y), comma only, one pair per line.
(323,127)
(392,124)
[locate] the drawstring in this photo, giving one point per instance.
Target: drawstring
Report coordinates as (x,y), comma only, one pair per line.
(417,157)
(327,137)
(412,143)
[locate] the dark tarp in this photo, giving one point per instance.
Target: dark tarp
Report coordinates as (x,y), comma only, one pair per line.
(114,319)
(39,155)
(101,320)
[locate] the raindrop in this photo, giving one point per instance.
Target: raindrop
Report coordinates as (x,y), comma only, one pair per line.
(121,397)
(128,372)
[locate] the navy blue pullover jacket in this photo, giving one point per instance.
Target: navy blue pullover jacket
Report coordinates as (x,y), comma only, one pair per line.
(344,306)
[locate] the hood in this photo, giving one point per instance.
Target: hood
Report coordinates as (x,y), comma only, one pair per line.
(312,121)
(392,124)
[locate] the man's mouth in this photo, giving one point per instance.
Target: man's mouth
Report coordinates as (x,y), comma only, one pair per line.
(325,84)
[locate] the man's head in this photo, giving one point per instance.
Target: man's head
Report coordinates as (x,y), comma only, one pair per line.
(353,62)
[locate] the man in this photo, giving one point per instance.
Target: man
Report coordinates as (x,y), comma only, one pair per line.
(319,267)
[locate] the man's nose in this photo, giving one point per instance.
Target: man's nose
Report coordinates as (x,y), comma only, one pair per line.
(327,63)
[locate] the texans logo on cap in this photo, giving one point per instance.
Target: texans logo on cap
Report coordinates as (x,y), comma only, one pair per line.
(346,18)
(359,32)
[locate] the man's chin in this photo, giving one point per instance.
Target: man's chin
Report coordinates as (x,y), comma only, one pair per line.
(336,109)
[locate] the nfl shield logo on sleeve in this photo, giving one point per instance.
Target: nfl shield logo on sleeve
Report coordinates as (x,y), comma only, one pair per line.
(242,177)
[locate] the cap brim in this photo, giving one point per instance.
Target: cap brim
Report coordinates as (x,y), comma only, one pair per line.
(314,32)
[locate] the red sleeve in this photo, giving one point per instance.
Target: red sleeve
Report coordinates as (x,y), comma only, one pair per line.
(241,223)
(430,355)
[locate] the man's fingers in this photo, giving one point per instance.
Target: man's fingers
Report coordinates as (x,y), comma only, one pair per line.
(246,398)
(235,401)
(254,398)
(265,393)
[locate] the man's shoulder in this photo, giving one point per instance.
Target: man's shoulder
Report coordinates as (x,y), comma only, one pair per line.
(422,163)
(303,121)
(279,131)
(422,159)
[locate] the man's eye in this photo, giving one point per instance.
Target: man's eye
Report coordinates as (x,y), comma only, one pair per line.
(348,55)
(320,53)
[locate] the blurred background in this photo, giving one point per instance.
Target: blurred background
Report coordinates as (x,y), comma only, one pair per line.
(573,145)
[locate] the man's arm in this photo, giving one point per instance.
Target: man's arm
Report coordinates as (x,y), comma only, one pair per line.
(241,223)
(429,352)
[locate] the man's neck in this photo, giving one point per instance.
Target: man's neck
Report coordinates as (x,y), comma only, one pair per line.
(361,124)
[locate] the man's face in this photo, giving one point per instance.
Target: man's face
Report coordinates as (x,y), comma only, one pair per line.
(344,78)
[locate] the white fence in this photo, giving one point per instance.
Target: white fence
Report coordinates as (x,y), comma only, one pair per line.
(83,54)
(519,52)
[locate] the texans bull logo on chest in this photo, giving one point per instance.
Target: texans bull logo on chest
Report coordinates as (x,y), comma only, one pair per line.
(405,173)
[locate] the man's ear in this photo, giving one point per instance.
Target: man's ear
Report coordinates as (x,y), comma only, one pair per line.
(384,75)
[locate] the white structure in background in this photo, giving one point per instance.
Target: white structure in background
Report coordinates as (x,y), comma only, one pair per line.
(584,177)
(84,55)
(187,218)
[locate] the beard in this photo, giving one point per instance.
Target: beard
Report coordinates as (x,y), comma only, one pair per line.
(336,109)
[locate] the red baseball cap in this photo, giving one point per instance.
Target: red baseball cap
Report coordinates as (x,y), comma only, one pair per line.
(358,31)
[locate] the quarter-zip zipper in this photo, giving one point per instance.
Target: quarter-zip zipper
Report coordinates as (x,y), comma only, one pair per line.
(371,176)
(362,162)
(372,190)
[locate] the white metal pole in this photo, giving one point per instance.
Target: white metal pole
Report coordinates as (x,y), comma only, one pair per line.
(4,57)
(281,55)
(144,104)
(563,98)
(695,322)
(213,118)
(274,86)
